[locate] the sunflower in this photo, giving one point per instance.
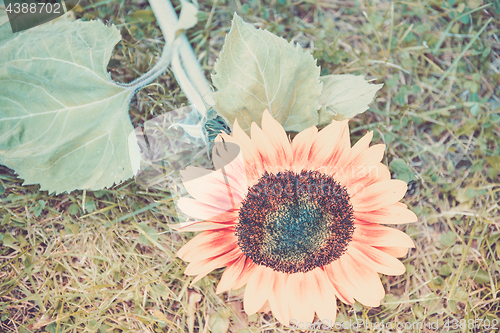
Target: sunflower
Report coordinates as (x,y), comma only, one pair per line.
(298,223)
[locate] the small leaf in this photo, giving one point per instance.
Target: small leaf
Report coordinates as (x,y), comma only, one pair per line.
(73,209)
(391,302)
(481,276)
(401,169)
(494,161)
(218,324)
(163,321)
(445,270)
(74,228)
(257,70)
(64,122)
(8,240)
(344,96)
(146,16)
(448,239)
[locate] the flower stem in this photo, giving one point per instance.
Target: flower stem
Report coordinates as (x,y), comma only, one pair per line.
(188,74)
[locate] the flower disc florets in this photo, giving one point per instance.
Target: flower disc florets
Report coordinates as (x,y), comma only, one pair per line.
(294,222)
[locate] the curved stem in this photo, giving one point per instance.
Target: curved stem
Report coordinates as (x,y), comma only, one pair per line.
(189,75)
(161,66)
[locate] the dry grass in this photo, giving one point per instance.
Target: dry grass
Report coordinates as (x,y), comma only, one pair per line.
(112,268)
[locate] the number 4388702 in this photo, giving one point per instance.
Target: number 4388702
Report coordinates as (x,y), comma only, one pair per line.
(33,8)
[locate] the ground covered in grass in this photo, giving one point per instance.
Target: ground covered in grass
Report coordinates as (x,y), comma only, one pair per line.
(104,261)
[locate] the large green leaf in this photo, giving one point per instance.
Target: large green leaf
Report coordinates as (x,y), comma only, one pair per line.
(345,96)
(257,70)
(63,122)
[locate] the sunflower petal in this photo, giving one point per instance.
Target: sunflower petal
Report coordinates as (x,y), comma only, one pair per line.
(245,274)
(208,244)
(367,288)
(278,298)
(253,164)
(397,252)
(301,310)
(360,146)
(379,195)
(230,275)
(258,288)
(199,226)
(202,268)
(301,146)
(370,156)
(376,259)
(329,145)
(393,214)
(218,190)
(343,288)
(277,139)
(322,295)
(198,209)
(379,235)
(358,179)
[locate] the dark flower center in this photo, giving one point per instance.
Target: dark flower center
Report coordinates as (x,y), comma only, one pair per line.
(295,222)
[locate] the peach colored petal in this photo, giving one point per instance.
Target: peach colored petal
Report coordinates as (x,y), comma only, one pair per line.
(377,260)
(366,286)
(278,139)
(358,179)
(397,252)
(230,275)
(253,164)
(198,209)
(265,308)
(371,156)
(208,244)
(342,154)
(228,159)
(342,286)
(218,190)
(278,299)
(202,268)
(330,145)
(268,153)
(245,274)
(360,147)
(379,235)
(379,195)
(257,289)
(322,295)
(394,214)
(301,309)
(301,146)
(200,226)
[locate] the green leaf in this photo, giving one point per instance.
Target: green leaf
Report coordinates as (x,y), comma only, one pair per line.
(73,228)
(481,276)
(218,324)
(448,239)
(73,209)
(494,161)
(344,96)
(146,16)
(257,70)
(8,240)
(401,169)
(445,270)
(64,123)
